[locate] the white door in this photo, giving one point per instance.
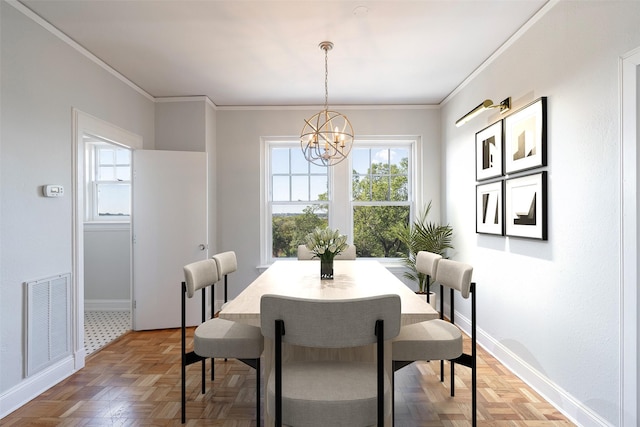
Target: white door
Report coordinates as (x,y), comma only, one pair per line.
(169,217)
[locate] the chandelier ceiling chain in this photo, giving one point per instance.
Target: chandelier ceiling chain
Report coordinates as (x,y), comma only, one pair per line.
(327,137)
(326,48)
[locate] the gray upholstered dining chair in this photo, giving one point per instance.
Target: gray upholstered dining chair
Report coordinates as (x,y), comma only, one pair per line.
(304,254)
(227,263)
(329,392)
(440,339)
(216,338)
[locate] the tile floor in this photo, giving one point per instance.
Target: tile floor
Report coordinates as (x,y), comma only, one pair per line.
(102,327)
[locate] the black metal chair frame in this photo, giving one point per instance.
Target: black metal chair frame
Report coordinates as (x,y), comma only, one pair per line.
(464,359)
(189,358)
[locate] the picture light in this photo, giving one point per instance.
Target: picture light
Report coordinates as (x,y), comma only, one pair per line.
(487,104)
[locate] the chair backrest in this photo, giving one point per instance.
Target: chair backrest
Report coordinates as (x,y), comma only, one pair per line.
(304,254)
(330,323)
(226,262)
(455,275)
(427,263)
(200,274)
(349,253)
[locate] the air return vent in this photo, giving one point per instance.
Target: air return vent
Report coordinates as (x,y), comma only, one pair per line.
(48,322)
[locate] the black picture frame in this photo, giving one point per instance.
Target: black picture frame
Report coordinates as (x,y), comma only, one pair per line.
(525,212)
(490,208)
(489,149)
(525,136)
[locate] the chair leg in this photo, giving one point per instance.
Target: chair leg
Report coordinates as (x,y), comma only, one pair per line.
(183,340)
(474,402)
(393,397)
(258,412)
(453,384)
(184,389)
(278,372)
(474,384)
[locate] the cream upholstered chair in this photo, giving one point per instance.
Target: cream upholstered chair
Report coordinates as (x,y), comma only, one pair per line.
(305,254)
(329,393)
(227,263)
(440,339)
(427,263)
(216,337)
(349,253)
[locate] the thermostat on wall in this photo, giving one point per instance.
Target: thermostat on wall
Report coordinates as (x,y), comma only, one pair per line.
(53,190)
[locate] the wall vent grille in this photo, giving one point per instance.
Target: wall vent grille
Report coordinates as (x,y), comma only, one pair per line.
(48,322)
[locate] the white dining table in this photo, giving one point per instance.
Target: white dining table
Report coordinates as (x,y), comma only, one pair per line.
(352,279)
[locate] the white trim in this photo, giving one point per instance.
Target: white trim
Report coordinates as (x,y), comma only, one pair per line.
(107,305)
(107,226)
(629,72)
(522,30)
(320,107)
(63,37)
(35,385)
(571,407)
(84,123)
(204,98)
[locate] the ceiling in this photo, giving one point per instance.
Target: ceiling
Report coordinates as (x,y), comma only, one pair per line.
(266,53)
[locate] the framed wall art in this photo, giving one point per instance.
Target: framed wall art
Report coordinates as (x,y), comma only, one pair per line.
(489,152)
(489,208)
(526,206)
(525,135)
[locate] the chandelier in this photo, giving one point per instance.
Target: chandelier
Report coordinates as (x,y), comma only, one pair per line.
(327,136)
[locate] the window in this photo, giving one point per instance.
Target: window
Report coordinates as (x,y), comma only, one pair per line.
(380,199)
(365,196)
(299,198)
(109,189)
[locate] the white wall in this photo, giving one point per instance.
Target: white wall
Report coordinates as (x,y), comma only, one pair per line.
(42,79)
(107,266)
(180,124)
(238,167)
(551,309)
(212,186)
(189,124)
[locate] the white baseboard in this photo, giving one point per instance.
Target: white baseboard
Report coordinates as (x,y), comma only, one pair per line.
(550,391)
(107,305)
(35,385)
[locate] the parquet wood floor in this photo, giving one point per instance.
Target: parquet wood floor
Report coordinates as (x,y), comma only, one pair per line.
(135,381)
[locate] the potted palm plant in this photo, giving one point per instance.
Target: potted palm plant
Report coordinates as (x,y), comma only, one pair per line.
(423,235)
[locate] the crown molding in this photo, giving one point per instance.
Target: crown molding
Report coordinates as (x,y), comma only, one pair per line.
(521,31)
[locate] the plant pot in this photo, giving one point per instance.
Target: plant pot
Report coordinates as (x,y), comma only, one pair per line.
(431,300)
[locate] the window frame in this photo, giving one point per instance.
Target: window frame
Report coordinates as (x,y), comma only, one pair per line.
(386,143)
(340,201)
(92,145)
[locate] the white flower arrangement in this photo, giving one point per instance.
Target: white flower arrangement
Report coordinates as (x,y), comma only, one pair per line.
(326,243)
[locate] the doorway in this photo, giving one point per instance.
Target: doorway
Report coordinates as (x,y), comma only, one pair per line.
(107,241)
(105,237)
